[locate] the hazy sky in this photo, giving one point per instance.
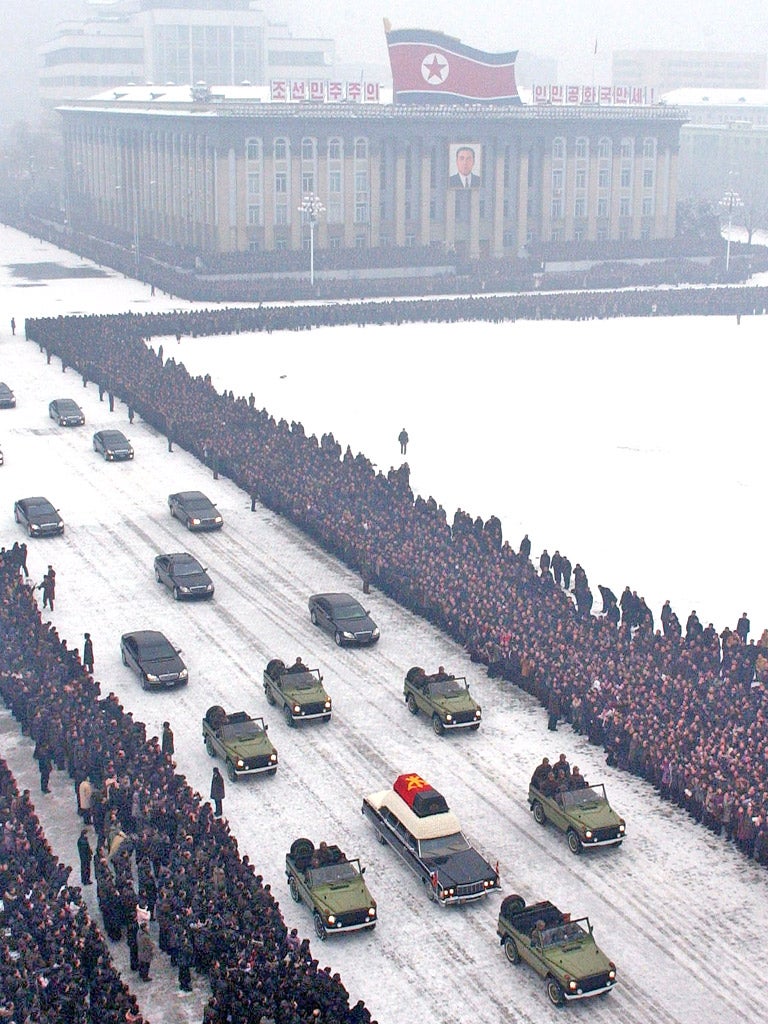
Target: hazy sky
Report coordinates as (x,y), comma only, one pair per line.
(563,29)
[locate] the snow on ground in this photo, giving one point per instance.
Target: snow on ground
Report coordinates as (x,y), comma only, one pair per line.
(630,445)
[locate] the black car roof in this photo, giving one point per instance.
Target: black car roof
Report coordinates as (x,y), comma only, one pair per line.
(146,635)
(334,600)
(39,500)
(192,496)
(66,401)
(112,433)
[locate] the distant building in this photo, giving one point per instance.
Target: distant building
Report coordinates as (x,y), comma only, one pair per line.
(724,146)
(224,170)
(219,42)
(664,70)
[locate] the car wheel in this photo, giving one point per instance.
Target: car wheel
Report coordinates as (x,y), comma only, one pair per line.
(512,905)
(413,707)
(337,638)
(29,529)
(294,890)
(231,773)
(431,894)
(511,951)
(269,695)
(574,843)
(144,682)
(437,726)
(176,594)
(381,839)
(210,747)
(538,813)
(475,727)
(272,771)
(313,617)
(326,718)
(173,514)
(288,716)
(555,992)
(157,576)
(319,927)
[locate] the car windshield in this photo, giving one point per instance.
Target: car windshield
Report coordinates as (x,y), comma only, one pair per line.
(448,688)
(301,680)
(350,611)
(242,731)
(590,796)
(328,874)
(187,567)
(443,846)
(157,650)
(562,934)
(41,506)
(113,437)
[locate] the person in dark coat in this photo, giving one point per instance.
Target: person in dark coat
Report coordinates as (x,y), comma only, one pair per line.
(45,763)
(86,856)
(553,708)
(185,958)
(166,743)
(217,791)
(146,950)
(525,547)
(88,653)
(48,587)
(742,627)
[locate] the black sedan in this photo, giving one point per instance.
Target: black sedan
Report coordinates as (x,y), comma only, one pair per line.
(7,397)
(154,659)
(183,574)
(344,617)
(195,510)
(38,516)
(113,445)
(66,412)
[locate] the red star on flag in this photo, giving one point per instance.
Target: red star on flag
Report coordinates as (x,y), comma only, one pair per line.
(434,69)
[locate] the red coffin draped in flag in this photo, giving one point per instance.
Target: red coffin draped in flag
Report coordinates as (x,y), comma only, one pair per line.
(423,800)
(430,67)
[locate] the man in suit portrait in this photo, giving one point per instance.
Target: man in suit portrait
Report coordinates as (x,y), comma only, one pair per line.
(465,176)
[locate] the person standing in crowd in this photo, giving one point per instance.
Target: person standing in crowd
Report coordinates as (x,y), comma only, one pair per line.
(86,856)
(48,587)
(166,743)
(742,627)
(88,653)
(217,791)
(45,763)
(146,950)
(84,794)
(525,547)
(403,438)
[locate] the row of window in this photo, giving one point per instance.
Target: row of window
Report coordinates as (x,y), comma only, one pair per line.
(603,207)
(604,148)
(281,149)
(603,178)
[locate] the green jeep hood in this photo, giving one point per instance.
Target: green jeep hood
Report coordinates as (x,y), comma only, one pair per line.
(249,748)
(461,702)
(341,897)
(579,959)
(303,695)
(601,816)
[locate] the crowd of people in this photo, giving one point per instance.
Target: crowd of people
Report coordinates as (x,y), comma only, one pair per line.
(677,706)
(160,855)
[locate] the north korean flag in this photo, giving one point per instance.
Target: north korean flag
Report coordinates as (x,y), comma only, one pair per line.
(430,67)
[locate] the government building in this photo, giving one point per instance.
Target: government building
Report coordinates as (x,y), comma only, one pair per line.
(225,171)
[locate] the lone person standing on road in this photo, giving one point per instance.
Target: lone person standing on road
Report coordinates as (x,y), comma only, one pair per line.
(13,325)
(86,856)
(166,743)
(217,791)
(403,438)
(48,587)
(88,653)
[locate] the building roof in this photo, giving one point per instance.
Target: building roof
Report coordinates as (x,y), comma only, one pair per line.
(700,97)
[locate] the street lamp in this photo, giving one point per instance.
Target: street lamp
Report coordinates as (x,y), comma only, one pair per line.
(729,200)
(312,207)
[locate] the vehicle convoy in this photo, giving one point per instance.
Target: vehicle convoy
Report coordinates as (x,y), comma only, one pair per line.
(344,618)
(414,819)
(560,949)
(331,886)
(443,697)
(584,814)
(298,690)
(241,741)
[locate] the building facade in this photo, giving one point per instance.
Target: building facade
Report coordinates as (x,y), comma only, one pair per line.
(226,172)
(664,70)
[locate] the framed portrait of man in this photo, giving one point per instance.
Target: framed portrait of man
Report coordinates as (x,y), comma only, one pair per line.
(465,160)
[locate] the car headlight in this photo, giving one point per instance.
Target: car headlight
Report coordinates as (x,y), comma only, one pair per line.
(240,763)
(612,973)
(184,590)
(331,919)
(152,678)
(572,985)
(347,635)
(622,826)
(297,709)
(375,632)
(195,522)
(218,519)
(183,674)
(209,587)
(371,911)
(449,718)
(588,834)
(273,756)
(35,528)
(327,705)
(478,713)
